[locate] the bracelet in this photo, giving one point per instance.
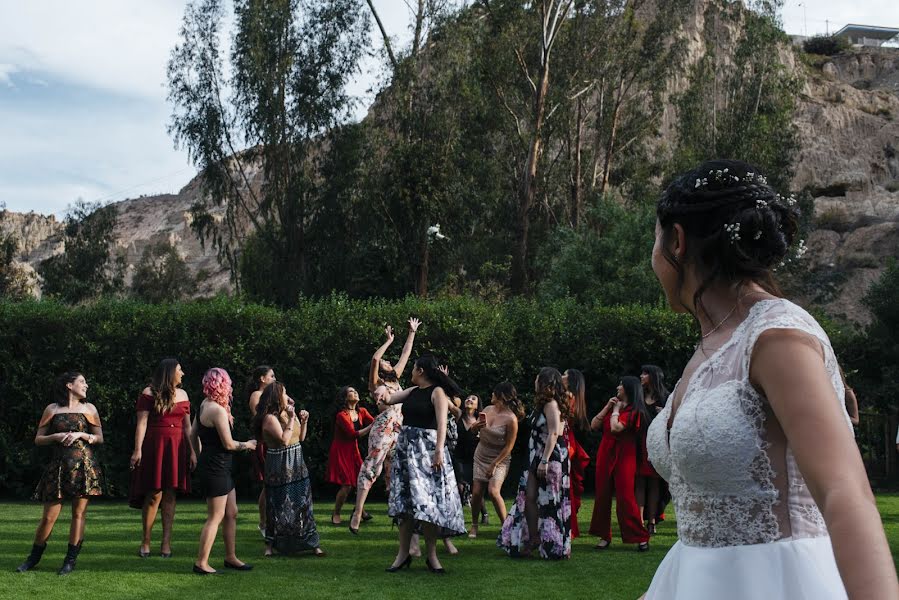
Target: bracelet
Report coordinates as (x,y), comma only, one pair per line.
(543,461)
(615,414)
(241,446)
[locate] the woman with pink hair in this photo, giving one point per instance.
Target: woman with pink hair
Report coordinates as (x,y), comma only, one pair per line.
(210,436)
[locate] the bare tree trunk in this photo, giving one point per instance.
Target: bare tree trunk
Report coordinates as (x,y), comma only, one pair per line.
(424,252)
(528,190)
(384,35)
(577,187)
(610,146)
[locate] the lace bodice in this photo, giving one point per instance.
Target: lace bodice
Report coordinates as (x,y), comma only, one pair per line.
(732,475)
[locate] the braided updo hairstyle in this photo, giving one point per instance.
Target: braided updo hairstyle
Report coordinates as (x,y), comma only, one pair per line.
(738,228)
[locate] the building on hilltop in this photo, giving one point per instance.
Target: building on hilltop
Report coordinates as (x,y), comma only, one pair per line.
(868,35)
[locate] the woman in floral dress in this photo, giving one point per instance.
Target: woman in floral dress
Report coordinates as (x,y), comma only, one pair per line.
(541,516)
(72,427)
(383,380)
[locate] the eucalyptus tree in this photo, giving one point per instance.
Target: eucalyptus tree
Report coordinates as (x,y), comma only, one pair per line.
(256,123)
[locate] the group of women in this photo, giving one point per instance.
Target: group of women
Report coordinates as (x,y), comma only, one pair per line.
(770,492)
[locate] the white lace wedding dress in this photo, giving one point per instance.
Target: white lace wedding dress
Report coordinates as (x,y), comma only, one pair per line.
(748,526)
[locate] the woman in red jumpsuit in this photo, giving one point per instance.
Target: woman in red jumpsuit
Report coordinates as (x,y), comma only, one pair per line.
(344,459)
(616,466)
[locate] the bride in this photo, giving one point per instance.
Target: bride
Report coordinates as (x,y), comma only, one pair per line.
(771,496)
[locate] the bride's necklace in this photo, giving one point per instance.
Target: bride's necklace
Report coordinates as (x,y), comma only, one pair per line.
(728,315)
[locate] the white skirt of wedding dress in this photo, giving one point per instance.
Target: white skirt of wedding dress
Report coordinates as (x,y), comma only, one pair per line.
(802,569)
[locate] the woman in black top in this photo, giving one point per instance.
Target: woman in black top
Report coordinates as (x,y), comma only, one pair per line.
(465,447)
(423,482)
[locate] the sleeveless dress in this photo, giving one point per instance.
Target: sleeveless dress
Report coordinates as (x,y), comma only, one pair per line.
(214,464)
(289,522)
(748,526)
(381,440)
(491,442)
(165,453)
(72,471)
(553,498)
(417,490)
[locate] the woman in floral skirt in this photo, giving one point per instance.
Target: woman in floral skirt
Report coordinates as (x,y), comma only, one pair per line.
(541,517)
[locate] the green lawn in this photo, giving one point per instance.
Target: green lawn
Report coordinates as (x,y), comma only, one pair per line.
(354,568)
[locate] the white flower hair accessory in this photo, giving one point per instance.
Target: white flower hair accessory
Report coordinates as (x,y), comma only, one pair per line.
(733,230)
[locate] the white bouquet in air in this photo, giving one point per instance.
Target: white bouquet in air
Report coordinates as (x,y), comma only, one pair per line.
(434,232)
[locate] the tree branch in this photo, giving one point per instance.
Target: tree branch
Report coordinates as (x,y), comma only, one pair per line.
(384,35)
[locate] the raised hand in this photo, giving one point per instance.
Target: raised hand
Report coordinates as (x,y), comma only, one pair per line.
(304,416)
(444,369)
(389,332)
(414,324)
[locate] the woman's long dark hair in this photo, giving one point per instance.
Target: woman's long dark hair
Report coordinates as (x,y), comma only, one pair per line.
(340,401)
(163,386)
(634,392)
(253,383)
(59,392)
(737,227)
(657,386)
(577,387)
(549,388)
(269,404)
(509,395)
(431,367)
(477,409)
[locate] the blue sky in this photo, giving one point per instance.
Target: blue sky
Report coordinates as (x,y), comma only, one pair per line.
(83,112)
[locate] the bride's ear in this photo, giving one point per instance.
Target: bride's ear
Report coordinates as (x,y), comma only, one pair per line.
(678,242)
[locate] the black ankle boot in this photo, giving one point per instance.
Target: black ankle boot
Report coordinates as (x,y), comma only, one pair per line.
(35,557)
(68,564)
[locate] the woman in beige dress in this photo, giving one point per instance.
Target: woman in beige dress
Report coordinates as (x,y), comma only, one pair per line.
(498,427)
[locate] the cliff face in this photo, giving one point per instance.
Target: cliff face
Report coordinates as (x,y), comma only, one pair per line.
(848,120)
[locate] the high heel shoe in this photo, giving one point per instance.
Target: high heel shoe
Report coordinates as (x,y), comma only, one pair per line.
(403,565)
(353,530)
(438,571)
(366,517)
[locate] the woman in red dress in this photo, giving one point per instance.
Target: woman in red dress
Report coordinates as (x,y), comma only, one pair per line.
(616,466)
(576,388)
(344,459)
(163,457)
(261,377)
(652,491)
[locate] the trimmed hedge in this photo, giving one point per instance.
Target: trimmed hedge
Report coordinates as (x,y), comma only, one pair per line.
(314,348)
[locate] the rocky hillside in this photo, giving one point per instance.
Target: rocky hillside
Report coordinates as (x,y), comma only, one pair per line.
(848,122)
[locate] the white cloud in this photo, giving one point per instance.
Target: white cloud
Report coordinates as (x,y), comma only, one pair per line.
(6,71)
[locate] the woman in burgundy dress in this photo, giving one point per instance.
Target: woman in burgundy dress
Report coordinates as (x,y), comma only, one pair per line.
(344,459)
(72,427)
(261,377)
(162,458)
(616,466)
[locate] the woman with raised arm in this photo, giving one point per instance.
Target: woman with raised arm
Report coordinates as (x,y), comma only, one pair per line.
(290,527)
(423,489)
(260,377)
(497,432)
(210,436)
(652,491)
(163,457)
(621,421)
(769,488)
(72,426)
(344,460)
(541,516)
(381,372)
(383,380)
